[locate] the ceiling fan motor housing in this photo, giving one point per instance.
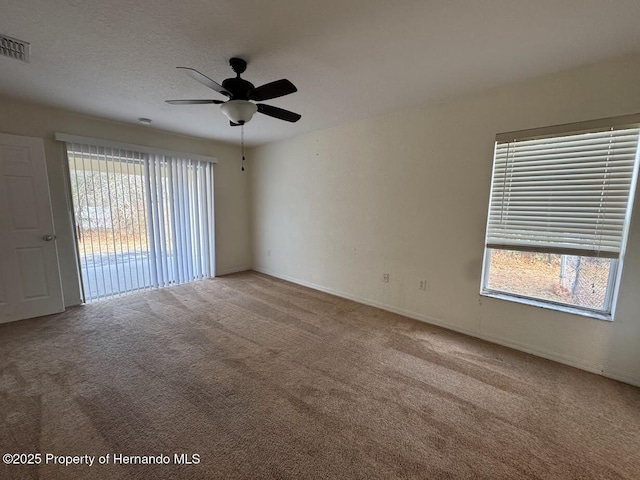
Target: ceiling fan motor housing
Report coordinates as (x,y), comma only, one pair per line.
(239,88)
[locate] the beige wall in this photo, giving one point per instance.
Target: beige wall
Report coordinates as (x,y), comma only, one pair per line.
(231,185)
(407,193)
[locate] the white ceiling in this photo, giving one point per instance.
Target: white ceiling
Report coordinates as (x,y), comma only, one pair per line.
(350,59)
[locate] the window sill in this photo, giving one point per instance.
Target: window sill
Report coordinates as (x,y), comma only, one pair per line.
(548,305)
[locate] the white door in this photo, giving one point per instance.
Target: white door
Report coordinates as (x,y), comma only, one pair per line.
(29,273)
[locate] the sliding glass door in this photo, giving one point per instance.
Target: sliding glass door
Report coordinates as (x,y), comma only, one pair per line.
(142,220)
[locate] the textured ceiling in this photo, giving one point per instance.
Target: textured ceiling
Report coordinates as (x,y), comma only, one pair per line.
(350,59)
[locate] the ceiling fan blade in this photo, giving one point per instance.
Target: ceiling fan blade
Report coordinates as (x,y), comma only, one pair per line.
(271,90)
(203,79)
(193,102)
(279,113)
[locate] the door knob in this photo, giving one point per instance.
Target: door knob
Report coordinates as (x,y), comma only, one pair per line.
(48,238)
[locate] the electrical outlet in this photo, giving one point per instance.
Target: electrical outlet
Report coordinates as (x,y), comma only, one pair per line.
(422,285)
(385,277)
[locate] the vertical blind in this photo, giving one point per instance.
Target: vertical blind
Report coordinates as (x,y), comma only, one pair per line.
(180,221)
(143,220)
(566,194)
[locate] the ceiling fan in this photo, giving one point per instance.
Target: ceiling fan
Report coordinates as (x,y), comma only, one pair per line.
(240,106)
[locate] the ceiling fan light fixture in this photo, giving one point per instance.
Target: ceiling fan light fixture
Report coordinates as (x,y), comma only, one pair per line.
(239,111)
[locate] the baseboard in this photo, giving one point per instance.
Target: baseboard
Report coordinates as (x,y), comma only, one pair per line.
(229,271)
(621,376)
(523,347)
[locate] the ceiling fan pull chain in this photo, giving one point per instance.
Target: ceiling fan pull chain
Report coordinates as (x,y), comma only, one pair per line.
(242,144)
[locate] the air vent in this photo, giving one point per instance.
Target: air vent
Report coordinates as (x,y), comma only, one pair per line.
(14,48)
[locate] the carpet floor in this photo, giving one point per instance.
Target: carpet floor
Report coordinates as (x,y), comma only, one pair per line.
(264,379)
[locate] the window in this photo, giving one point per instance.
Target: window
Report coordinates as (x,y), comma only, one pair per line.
(144,218)
(559,212)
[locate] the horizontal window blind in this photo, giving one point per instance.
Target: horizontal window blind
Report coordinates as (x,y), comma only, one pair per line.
(566,194)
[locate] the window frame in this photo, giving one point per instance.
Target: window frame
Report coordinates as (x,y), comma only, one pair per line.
(616,266)
(611,294)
